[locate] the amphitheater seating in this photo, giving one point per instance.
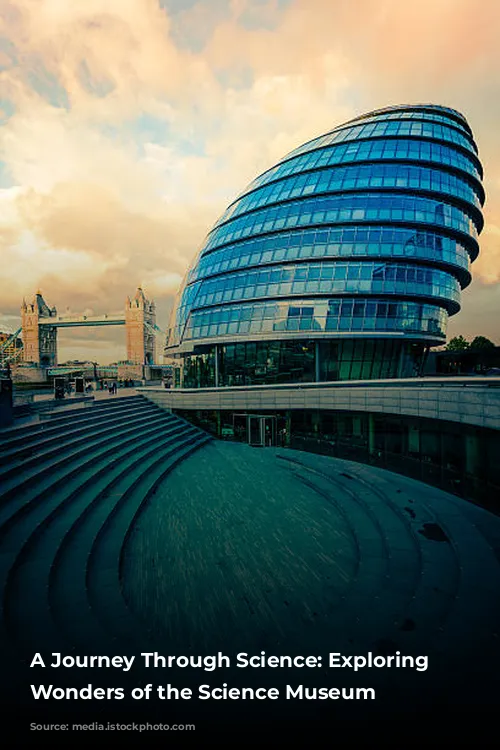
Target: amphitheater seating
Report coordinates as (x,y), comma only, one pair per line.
(71,487)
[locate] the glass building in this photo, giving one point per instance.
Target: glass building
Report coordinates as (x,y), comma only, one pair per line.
(343,261)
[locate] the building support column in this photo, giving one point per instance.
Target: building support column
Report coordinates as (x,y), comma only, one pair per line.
(423,360)
(414,440)
(357,425)
(288,427)
(317,367)
(472,455)
(316,423)
(401,359)
(371,435)
(216,355)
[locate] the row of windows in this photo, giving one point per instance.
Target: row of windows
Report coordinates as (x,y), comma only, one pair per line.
(385,128)
(422,105)
(300,360)
(317,309)
(365,359)
(390,149)
(335,242)
(342,209)
(324,278)
(354,178)
(316,315)
(248,363)
(411,125)
(413,114)
(326,271)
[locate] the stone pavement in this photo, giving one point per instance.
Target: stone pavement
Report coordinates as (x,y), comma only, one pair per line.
(248,549)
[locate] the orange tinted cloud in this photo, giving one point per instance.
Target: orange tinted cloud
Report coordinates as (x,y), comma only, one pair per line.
(95,200)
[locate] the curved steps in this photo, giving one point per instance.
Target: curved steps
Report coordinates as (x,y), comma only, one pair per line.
(378,531)
(89,435)
(96,548)
(443,555)
(41,554)
(48,433)
(65,514)
(45,470)
(65,413)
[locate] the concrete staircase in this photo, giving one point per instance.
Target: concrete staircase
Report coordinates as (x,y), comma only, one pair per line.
(71,488)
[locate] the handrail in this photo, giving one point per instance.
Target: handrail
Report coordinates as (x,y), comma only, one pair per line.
(452,381)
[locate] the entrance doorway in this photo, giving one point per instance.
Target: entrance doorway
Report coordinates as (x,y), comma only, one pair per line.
(258,430)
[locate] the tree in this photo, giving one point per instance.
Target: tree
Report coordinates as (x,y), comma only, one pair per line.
(481,342)
(457,344)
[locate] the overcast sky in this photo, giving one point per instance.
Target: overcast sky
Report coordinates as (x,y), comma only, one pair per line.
(127,126)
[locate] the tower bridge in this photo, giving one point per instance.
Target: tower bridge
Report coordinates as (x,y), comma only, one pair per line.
(40,323)
(76,320)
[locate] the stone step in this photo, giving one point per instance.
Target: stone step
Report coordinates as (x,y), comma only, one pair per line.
(73,571)
(97,405)
(59,465)
(38,440)
(36,540)
(68,414)
(104,561)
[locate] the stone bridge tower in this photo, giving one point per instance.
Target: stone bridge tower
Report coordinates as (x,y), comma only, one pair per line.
(140,321)
(39,342)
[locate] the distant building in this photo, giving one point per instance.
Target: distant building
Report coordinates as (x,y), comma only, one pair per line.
(40,324)
(140,320)
(343,261)
(40,342)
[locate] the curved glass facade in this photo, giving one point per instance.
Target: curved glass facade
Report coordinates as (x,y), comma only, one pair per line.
(344,260)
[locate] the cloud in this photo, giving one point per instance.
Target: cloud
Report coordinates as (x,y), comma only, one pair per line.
(128,127)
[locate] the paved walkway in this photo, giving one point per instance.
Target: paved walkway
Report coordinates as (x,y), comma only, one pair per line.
(98,395)
(248,549)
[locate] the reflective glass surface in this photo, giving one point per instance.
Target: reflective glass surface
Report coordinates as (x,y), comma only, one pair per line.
(415,115)
(344,209)
(300,361)
(367,359)
(381,150)
(320,315)
(326,278)
(253,363)
(357,177)
(389,128)
(368,230)
(357,242)
(199,370)
(447,113)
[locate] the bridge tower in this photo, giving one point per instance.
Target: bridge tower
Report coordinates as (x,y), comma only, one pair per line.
(39,342)
(140,321)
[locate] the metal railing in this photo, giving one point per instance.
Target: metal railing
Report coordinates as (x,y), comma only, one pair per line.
(424,382)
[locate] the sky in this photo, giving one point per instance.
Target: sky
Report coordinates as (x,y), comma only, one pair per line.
(127,126)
